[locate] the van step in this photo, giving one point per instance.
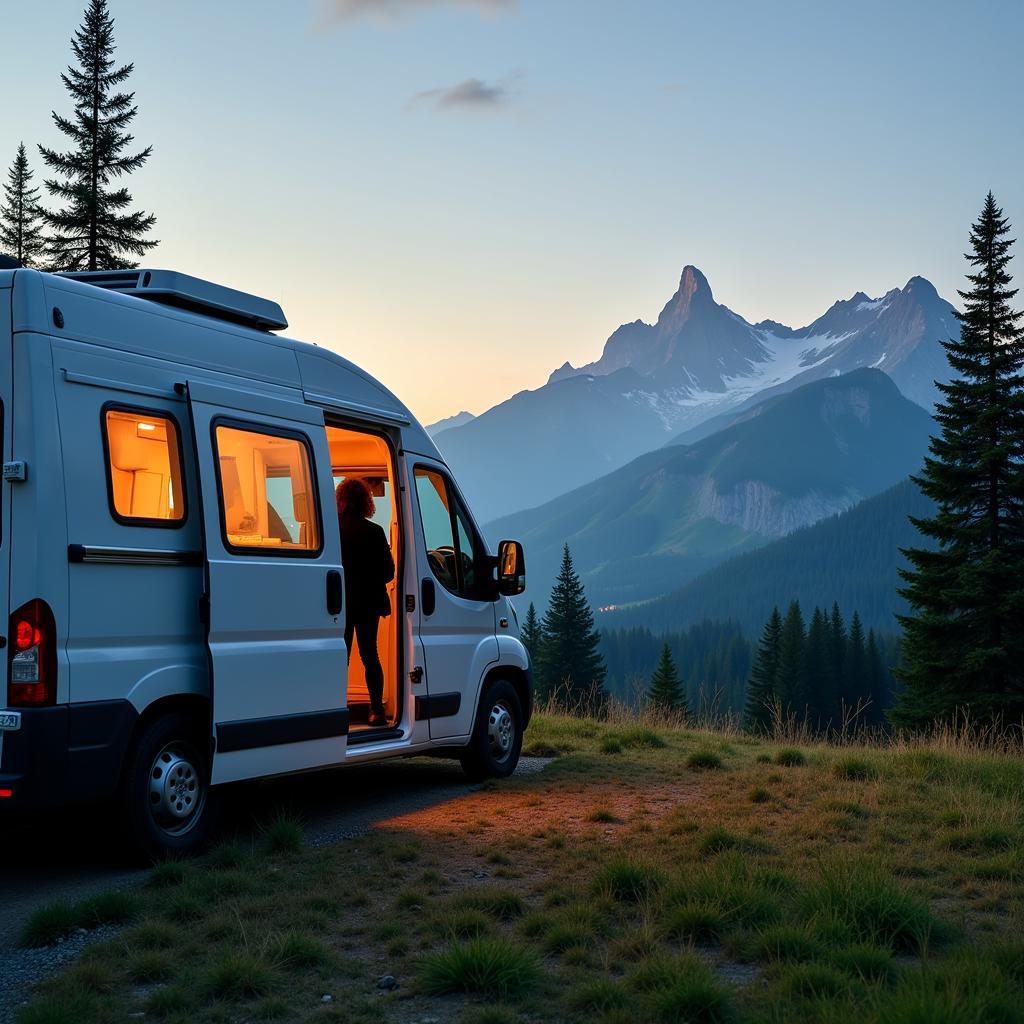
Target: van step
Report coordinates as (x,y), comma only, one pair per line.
(355,737)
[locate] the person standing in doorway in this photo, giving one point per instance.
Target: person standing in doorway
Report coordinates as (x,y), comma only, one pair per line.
(369,568)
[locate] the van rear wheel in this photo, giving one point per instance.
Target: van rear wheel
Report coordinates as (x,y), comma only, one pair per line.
(493,750)
(165,793)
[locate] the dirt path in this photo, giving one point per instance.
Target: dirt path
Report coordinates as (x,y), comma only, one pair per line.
(71,855)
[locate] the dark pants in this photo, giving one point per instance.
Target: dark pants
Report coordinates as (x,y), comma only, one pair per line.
(365,630)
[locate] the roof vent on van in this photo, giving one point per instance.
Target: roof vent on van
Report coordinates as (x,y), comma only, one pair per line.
(190,293)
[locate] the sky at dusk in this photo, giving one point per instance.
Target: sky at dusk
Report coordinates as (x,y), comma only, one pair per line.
(459,195)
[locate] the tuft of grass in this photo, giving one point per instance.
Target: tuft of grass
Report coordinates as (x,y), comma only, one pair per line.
(598,996)
(703,760)
(719,839)
(635,736)
(464,924)
(49,923)
(168,873)
(790,757)
(862,902)
(811,981)
(296,949)
(169,1001)
(692,995)
(59,1008)
(484,966)
(866,962)
(786,944)
(854,768)
(695,922)
(237,976)
(760,795)
(283,834)
(501,904)
(151,965)
(981,839)
(601,814)
(628,881)
(57,920)
(610,745)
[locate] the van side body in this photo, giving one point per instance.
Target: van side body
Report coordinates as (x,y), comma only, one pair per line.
(156,618)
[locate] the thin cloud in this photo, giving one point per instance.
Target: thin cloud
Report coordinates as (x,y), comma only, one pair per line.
(472,94)
(335,12)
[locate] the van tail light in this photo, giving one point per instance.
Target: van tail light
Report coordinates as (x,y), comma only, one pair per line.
(32,656)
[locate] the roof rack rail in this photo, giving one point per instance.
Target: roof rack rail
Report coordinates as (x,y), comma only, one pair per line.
(188,293)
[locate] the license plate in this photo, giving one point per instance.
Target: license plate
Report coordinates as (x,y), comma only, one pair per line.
(10,721)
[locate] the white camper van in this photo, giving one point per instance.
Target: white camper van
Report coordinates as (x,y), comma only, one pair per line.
(170,559)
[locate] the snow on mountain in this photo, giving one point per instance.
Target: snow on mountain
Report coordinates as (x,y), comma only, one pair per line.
(698,363)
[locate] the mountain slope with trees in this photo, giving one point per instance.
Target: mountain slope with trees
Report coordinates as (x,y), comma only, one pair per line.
(672,514)
(853,558)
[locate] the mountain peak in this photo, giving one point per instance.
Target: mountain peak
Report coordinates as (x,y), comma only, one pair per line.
(921,287)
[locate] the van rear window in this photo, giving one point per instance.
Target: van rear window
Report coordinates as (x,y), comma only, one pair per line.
(144,467)
(268,501)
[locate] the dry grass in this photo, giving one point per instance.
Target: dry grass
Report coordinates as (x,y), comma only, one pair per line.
(875,878)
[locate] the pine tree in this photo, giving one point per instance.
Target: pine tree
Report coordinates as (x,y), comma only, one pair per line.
(93,231)
(531,633)
(837,633)
(21,228)
(821,688)
(761,692)
(570,665)
(665,691)
(855,683)
(791,672)
(877,679)
(963,646)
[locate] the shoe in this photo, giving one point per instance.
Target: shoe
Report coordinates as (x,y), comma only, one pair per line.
(377,718)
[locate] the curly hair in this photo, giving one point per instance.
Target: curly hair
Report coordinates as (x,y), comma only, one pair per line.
(354,498)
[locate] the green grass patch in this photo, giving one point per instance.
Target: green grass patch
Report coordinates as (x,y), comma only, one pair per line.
(627,881)
(703,760)
(57,920)
(868,906)
(719,839)
(854,768)
(283,834)
(790,757)
(485,966)
(237,976)
(760,795)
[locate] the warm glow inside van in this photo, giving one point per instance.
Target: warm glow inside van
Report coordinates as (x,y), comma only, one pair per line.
(171,567)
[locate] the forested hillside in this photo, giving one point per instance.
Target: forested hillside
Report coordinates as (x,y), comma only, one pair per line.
(851,558)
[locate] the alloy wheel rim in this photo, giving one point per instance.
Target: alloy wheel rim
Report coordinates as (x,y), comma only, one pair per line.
(501,729)
(176,791)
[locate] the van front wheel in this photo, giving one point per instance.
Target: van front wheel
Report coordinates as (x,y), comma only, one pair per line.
(165,791)
(493,750)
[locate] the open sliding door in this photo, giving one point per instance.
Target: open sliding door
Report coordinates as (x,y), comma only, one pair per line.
(274,586)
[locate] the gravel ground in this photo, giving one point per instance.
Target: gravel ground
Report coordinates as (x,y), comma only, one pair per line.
(73,857)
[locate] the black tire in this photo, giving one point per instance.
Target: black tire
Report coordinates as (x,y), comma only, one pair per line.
(493,751)
(166,807)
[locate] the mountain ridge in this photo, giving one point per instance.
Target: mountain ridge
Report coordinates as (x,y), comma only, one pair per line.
(698,361)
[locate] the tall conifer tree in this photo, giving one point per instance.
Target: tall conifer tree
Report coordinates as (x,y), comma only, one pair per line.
(855,680)
(821,689)
(21,218)
(791,673)
(94,228)
(963,645)
(569,662)
(531,633)
(665,691)
(761,694)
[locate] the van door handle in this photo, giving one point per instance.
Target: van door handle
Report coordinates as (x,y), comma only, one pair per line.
(334,592)
(428,597)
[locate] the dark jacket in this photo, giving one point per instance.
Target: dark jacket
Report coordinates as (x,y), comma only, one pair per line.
(369,568)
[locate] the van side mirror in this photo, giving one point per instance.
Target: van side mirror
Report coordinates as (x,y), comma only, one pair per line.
(511,568)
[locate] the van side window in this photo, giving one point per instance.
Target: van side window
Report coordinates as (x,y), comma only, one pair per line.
(144,473)
(267,492)
(447,533)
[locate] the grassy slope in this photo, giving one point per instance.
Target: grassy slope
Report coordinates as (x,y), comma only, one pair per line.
(663,875)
